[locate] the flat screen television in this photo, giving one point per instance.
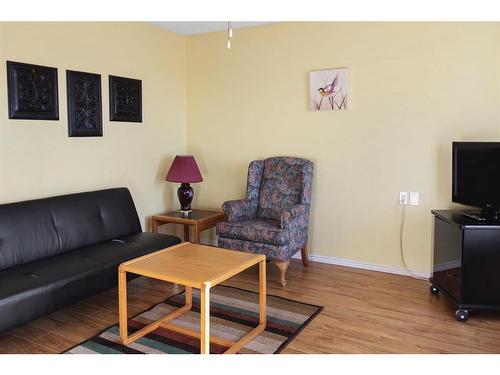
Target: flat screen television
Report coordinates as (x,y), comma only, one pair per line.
(476,175)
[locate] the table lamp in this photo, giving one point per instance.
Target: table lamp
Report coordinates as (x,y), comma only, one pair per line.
(184,170)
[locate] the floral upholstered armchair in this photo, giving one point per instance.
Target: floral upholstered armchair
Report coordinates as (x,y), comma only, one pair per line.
(273,219)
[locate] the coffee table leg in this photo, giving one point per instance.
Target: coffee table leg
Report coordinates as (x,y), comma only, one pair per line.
(262,292)
(186,232)
(262,313)
(205,319)
(189,296)
(122,305)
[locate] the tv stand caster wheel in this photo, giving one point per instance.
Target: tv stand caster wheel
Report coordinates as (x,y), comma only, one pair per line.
(461,315)
(434,289)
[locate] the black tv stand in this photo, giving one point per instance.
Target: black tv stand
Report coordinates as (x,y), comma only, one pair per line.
(474,217)
(466,261)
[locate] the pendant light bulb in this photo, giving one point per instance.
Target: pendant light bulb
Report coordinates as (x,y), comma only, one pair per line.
(229,35)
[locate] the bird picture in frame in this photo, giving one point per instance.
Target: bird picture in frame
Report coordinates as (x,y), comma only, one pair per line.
(329,89)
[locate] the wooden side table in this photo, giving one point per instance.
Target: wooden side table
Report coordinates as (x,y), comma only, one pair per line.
(200,219)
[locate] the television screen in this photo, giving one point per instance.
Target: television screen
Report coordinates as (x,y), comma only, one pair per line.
(476,174)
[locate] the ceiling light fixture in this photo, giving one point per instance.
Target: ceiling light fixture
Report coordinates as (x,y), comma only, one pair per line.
(229,34)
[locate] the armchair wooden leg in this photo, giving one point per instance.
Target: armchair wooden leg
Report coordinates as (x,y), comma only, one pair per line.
(305,256)
(282,266)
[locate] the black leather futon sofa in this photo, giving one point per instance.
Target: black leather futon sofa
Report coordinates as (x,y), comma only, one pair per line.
(58,250)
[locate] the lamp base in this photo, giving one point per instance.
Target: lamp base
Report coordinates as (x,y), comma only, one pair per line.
(185,214)
(185,193)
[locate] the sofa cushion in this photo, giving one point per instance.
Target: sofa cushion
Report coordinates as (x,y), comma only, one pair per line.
(92,258)
(59,267)
(43,228)
(22,297)
(39,287)
(124,248)
(266,231)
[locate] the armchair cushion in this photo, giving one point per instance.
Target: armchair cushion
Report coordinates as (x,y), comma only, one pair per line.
(240,210)
(264,231)
(281,187)
(279,253)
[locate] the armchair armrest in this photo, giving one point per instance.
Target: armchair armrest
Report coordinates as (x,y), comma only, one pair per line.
(240,209)
(295,216)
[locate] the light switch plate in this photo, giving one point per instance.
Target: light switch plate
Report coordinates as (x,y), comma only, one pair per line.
(414,198)
(403,198)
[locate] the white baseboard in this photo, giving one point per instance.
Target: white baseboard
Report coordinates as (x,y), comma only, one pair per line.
(364,265)
(354,264)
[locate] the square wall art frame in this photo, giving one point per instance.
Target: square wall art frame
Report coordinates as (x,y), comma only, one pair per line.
(32,91)
(329,89)
(125,99)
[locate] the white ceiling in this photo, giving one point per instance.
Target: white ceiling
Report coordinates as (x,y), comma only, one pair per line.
(195,27)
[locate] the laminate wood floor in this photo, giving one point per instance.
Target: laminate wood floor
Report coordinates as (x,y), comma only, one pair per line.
(365,312)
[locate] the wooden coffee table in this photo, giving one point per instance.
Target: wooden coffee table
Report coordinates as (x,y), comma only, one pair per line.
(194,266)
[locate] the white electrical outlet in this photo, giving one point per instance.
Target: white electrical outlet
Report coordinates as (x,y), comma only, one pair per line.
(403,198)
(414,199)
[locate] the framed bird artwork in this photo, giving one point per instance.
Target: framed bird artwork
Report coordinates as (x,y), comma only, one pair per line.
(329,89)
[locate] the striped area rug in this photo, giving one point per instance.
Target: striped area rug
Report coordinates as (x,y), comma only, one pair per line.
(233,311)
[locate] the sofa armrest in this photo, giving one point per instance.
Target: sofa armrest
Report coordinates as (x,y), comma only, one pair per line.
(240,210)
(295,217)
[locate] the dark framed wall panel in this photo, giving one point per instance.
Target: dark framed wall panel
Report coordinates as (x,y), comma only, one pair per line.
(32,91)
(84,104)
(125,99)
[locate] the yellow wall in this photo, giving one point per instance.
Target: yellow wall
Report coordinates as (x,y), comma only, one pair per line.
(37,158)
(414,88)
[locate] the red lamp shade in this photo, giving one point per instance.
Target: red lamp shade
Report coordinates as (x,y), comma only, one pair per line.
(184,170)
